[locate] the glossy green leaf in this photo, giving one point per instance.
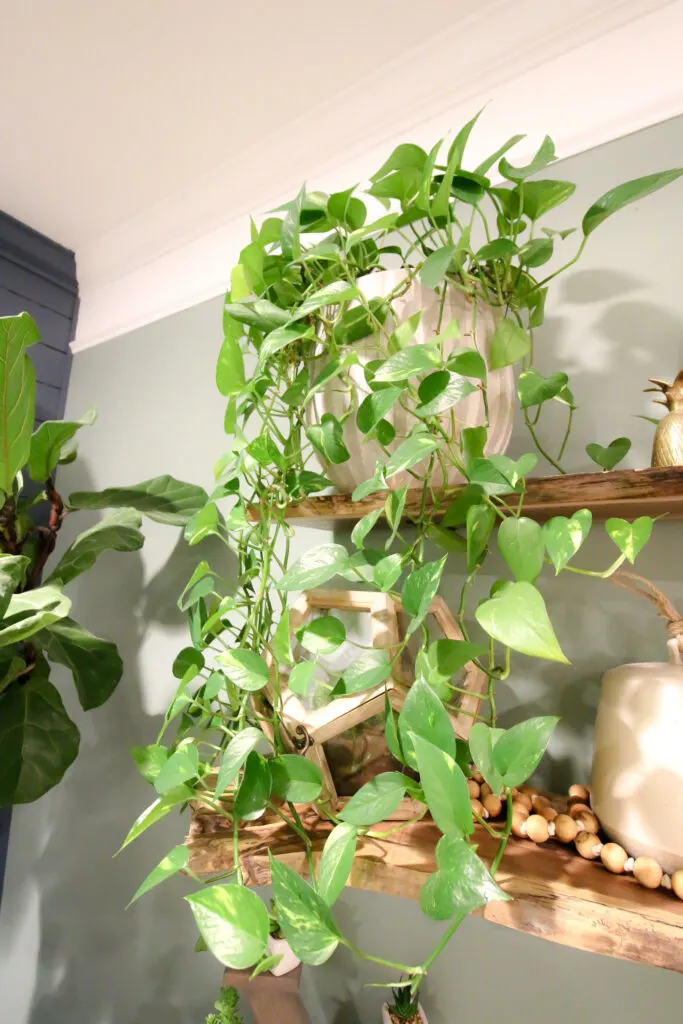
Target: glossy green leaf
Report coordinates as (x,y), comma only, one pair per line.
(517,617)
(628,192)
(304,917)
(407,155)
(175,860)
(410,452)
(158,810)
(94,663)
(468,363)
(314,568)
(456,513)
(420,589)
(480,522)
(409,362)
(281,338)
(150,760)
(498,249)
(423,714)
(376,800)
(327,437)
(234,756)
(387,572)
(347,209)
(609,457)
(234,923)
(445,788)
(187,658)
(441,201)
(180,767)
(536,252)
(461,884)
(509,344)
(518,751)
(544,156)
(162,498)
(12,570)
(541,196)
(364,526)
(230,378)
(520,542)
(488,163)
(482,739)
(281,642)
(254,789)
(17,396)
(38,739)
(375,483)
(246,669)
(48,441)
(630,538)
(38,609)
(375,407)
(514,472)
(295,778)
(199,585)
(370,669)
(534,389)
(450,656)
(301,677)
(330,295)
(202,525)
(118,531)
(563,537)
(336,862)
(433,270)
(322,635)
(441,391)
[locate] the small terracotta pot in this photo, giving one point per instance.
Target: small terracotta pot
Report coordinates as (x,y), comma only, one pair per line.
(280,947)
(386,1017)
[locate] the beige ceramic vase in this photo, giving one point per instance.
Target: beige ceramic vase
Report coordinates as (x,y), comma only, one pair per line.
(337,399)
(638,763)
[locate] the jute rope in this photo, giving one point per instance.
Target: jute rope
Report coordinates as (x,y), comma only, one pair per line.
(664,607)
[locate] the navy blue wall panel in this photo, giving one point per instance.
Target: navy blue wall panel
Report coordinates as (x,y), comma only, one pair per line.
(38,276)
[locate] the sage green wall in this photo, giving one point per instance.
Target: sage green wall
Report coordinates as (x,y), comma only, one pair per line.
(69,952)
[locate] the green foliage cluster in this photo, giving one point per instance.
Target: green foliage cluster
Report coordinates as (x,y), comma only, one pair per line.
(38,739)
(294,314)
(227,1006)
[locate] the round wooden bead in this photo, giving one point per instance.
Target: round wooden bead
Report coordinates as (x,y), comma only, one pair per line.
(519,824)
(529,790)
(579,791)
(474,788)
(520,809)
(477,776)
(677,883)
(574,810)
(478,808)
(485,790)
(549,812)
(565,828)
(537,828)
(588,845)
(614,857)
(587,822)
(538,802)
(648,872)
(492,804)
(522,800)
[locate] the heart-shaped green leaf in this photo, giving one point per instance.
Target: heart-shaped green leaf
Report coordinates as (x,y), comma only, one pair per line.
(419,590)
(520,542)
(375,407)
(423,714)
(411,451)
(608,457)
(386,573)
(461,884)
(482,739)
(234,756)
(518,751)
(314,568)
(534,389)
(445,788)
(622,195)
(322,635)
(509,344)
(246,669)
(174,861)
(517,617)
(327,437)
(336,861)
(408,363)
(364,526)
(295,778)
(17,396)
(630,538)
(254,789)
(368,670)
(301,677)
(376,800)
(480,522)
(233,922)
(544,156)
(305,918)
(514,472)
(563,537)
(441,391)
(541,196)
(434,268)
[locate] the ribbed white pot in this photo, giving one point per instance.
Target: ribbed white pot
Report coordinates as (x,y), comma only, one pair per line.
(468,413)
(386,1019)
(280,947)
(637,782)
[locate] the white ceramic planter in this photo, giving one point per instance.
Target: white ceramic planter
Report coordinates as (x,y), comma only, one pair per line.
(277,947)
(469,412)
(638,763)
(386,1019)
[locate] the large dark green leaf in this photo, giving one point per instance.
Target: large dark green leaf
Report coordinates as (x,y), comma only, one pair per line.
(305,919)
(520,542)
(480,522)
(12,568)
(94,663)
(622,195)
(374,408)
(314,568)
(31,611)
(254,790)
(162,498)
(518,752)
(37,738)
(295,778)
(517,617)
(233,922)
(424,715)
(49,439)
(17,396)
(441,391)
(118,531)
(336,861)
(376,800)
(445,787)
(461,884)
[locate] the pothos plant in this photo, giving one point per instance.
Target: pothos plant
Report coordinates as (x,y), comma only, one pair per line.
(38,740)
(294,316)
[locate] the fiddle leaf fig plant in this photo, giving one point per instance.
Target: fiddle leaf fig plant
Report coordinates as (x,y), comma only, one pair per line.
(307,328)
(38,740)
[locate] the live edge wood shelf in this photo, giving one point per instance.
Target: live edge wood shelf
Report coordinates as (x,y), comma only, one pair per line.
(556,894)
(626,493)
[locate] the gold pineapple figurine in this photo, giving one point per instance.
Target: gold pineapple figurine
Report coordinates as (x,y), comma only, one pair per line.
(667,449)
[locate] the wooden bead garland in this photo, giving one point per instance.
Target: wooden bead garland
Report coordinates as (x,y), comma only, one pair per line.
(535,818)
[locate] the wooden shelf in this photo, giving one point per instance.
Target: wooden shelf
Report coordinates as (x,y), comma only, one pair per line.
(557,895)
(626,493)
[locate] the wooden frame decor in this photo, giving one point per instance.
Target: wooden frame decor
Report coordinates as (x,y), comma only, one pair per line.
(305,730)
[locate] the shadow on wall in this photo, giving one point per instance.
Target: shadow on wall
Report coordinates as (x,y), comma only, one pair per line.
(98,962)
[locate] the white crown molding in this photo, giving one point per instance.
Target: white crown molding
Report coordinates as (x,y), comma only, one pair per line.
(586,76)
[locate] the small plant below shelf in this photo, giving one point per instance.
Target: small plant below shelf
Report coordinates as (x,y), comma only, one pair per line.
(405,1006)
(227,1007)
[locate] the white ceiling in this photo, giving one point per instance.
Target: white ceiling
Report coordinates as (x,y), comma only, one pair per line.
(142,132)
